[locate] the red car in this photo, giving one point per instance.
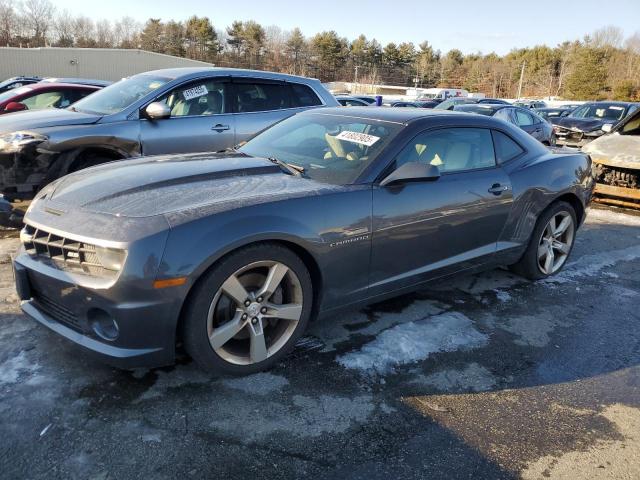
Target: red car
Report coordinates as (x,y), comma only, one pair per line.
(43,95)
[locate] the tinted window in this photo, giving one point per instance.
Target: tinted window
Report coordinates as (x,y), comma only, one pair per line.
(523,119)
(600,111)
(451,149)
(204,97)
(303,96)
(261,97)
(506,148)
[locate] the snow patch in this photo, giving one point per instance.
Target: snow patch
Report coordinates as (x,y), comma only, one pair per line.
(262,383)
(473,377)
(415,341)
(502,295)
(591,265)
(12,369)
(611,217)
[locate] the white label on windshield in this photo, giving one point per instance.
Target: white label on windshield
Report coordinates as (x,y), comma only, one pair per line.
(355,137)
(195,92)
(616,108)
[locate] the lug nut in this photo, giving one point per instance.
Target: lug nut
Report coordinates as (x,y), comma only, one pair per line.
(260,299)
(254,320)
(244,316)
(247,303)
(263,310)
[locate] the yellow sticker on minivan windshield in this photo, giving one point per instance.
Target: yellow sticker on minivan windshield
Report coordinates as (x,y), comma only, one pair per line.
(359,138)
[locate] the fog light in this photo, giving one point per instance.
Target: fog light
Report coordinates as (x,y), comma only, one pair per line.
(103,324)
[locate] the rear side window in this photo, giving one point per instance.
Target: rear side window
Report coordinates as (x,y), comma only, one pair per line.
(261,97)
(506,148)
(523,119)
(303,96)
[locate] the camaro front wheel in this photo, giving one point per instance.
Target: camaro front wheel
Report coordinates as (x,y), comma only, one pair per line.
(248,311)
(550,244)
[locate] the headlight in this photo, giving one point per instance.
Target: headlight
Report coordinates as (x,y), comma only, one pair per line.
(13,142)
(111,258)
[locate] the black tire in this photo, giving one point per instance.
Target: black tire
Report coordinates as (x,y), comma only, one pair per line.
(194,320)
(528,266)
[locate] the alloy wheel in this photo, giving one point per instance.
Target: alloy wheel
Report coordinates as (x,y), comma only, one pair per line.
(555,243)
(255,312)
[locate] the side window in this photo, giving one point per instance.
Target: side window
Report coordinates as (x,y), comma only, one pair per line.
(201,98)
(506,148)
(523,119)
(75,95)
(56,99)
(451,149)
(261,97)
(504,114)
(303,96)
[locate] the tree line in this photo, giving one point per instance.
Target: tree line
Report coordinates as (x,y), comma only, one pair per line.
(602,65)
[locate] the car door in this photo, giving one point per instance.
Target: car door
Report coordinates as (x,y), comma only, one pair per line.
(201,120)
(425,229)
(529,123)
(260,102)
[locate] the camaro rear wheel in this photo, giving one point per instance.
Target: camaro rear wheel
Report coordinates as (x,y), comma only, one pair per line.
(248,311)
(550,243)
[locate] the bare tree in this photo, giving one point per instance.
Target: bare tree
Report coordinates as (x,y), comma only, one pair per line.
(8,20)
(64,29)
(104,34)
(126,31)
(84,32)
(38,19)
(609,36)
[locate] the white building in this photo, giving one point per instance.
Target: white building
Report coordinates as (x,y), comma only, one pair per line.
(96,63)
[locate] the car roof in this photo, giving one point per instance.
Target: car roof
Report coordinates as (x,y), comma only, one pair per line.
(51,85)
(175,73)
(396,115)
(613,103)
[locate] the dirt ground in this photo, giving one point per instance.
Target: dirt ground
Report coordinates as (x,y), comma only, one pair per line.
(485,377)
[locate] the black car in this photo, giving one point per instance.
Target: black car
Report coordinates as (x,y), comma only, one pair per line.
(16,82)
(589,121)
(524,118)
(550,113)
(452,102)
(233,254)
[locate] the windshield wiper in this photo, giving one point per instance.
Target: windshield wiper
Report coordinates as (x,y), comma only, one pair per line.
(293,169)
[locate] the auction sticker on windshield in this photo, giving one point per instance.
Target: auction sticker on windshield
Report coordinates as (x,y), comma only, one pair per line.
(359,138)
(195,92)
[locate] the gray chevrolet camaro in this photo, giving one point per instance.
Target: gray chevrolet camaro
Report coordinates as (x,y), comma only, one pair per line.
(231,255)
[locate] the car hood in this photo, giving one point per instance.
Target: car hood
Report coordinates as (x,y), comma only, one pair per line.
(174,184)
(44,118)
(582,124)
(615,150)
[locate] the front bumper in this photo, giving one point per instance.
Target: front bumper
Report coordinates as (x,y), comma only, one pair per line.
(145,329)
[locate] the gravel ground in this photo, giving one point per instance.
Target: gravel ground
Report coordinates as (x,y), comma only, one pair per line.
(485,376)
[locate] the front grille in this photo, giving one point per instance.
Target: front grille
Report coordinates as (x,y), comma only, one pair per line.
(56,311)
(63,253)
(568,134)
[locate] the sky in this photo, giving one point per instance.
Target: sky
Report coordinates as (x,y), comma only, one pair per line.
(468,25)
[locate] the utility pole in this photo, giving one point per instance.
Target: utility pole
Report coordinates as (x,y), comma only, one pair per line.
(355,79)
(521,79)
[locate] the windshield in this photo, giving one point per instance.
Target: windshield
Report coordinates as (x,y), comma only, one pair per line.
(599,111)
(332,149)
(428,95)
(120,95)
(9,94)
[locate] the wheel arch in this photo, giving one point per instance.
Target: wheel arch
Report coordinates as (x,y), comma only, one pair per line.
(573,200)
(303,253)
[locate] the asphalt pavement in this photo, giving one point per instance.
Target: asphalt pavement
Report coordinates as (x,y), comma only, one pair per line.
(486,376)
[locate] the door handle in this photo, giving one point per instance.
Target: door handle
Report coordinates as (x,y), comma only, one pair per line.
(220,128)
(497,189)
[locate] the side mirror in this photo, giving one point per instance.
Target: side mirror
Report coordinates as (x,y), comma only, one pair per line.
(412,172)
(15,107)
(607,127)
(157,111)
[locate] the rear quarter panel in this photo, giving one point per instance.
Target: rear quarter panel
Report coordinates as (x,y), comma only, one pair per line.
(540,181)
